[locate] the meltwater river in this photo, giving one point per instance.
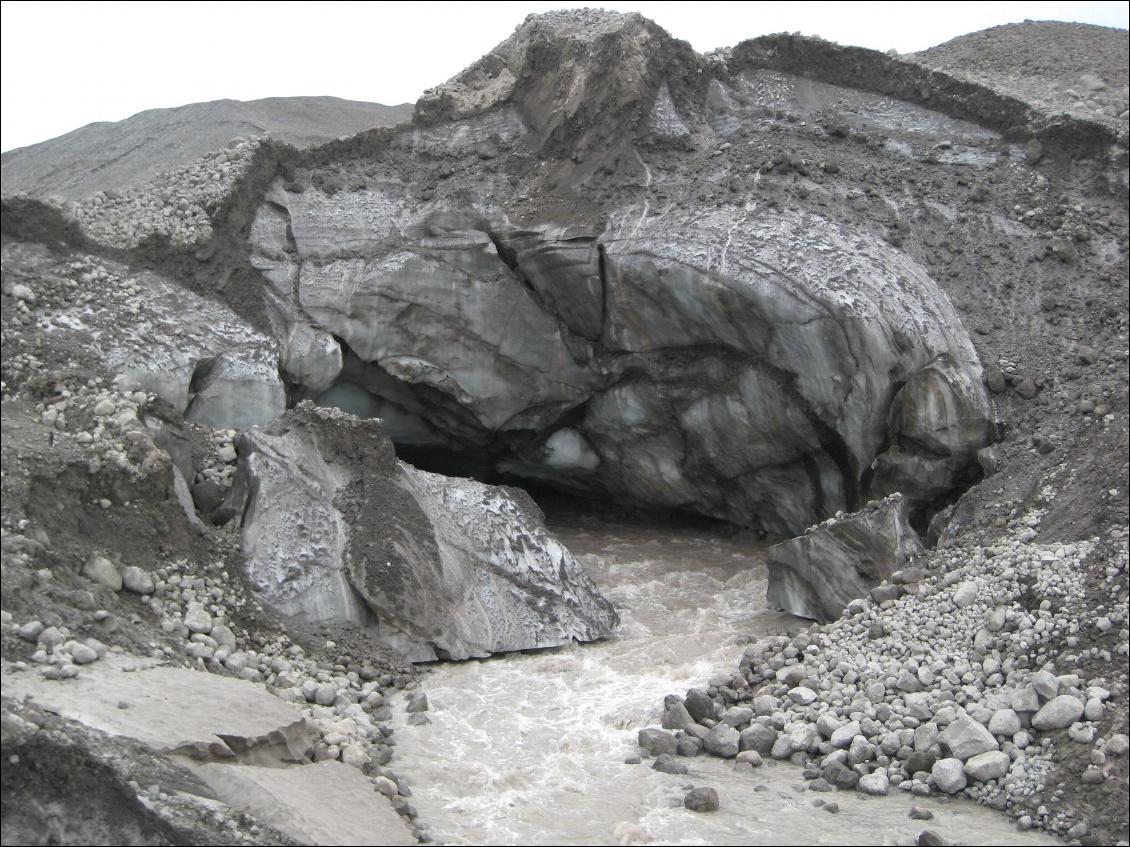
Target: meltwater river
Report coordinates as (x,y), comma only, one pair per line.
(530,748)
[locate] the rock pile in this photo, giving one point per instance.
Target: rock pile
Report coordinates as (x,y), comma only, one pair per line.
(177,207)
(943,685)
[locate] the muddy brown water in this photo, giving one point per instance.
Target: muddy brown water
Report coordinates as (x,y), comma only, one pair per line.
(530,748)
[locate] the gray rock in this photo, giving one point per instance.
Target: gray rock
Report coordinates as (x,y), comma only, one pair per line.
(1117,745)
(965,594)
(417,702)
(699,704)
(966,738)
(101,570)
(325,694)
(1045,684)
(949,775)
(874,783)
(50,638)
(676,716)
(817,574)
(31,631)
(929,838)
(782,747)
(655,741)
(324,540)
(985,766)
(925,737)
(197,619)
(735,716)
(802,695)
(702,799)
(1025,699)
(765,705)
(83,655)
(1004,722)
(1059,712)
(860,750)
(759,738)
(840,775)
(666,763)
(689,746)
(137,580)
(723,740)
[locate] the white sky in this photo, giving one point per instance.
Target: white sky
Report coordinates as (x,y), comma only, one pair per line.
(68,64)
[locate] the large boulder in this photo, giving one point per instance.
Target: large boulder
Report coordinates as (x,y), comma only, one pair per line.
(752,361)
(335,528)
(817,574)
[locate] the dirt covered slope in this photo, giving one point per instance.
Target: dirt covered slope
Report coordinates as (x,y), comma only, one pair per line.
(1079,69)
(108,156)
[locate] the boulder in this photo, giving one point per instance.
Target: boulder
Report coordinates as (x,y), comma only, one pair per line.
(656,742)
(966,738)
(335,529)
(723,741)
(101,570)
(949,775)
(986,766)
(703,799)
(817,574)
(699,704)
(758,738)
(1059,712)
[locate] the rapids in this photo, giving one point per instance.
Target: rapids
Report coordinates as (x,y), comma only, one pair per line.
(530,748)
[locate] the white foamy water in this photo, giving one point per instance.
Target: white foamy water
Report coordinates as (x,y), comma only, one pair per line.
(530,748)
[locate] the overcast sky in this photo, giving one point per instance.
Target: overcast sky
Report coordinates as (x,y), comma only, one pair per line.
(69,64)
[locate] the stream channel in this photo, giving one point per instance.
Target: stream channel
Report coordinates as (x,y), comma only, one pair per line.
(530,748)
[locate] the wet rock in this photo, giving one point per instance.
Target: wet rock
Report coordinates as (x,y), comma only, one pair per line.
(699,704)
(875,783)
(758,738)
(676,716)
(840,775)
(689,746)
(723,740)
(703,799)
(417,702)
(666,763)
(655,741)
